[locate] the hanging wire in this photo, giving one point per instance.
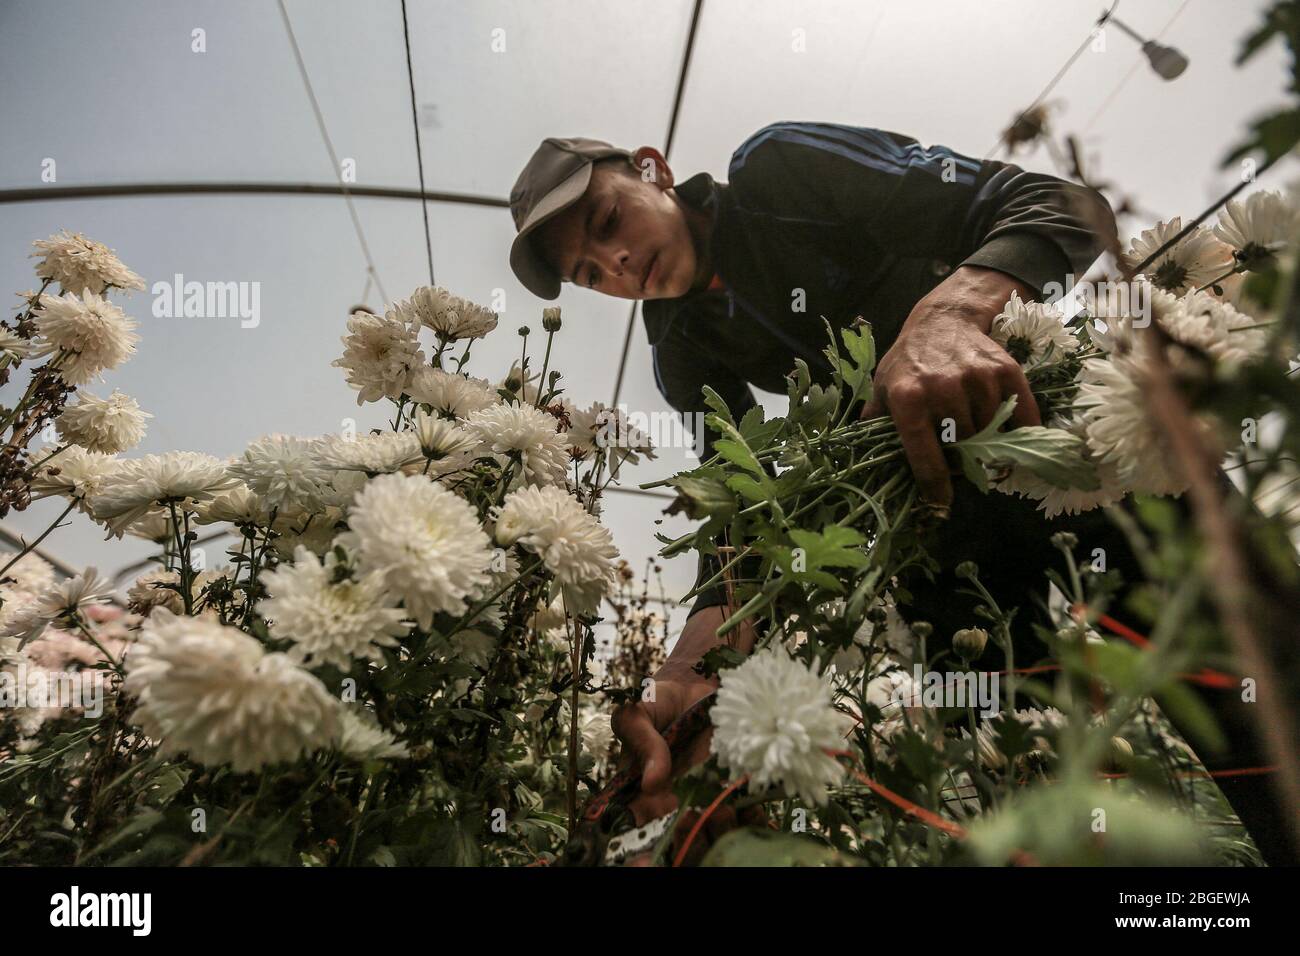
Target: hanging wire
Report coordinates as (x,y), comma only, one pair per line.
(668,146)
(1138,62)
(419,155)
(329,146)
(1051,85)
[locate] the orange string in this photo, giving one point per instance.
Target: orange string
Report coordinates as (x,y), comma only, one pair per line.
(717,802)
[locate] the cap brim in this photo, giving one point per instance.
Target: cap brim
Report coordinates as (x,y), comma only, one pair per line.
(528,264)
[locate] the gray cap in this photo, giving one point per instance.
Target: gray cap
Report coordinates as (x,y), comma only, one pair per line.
(554,179)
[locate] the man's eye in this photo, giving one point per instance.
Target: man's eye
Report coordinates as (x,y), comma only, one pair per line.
(610,221)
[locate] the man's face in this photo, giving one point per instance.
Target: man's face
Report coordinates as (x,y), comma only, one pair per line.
(625,237)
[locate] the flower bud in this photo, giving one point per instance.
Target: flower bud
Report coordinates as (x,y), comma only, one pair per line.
(969,642)
(922,629)
(968,570)
(1065,539)
(551,319)
(1120,758)
(524,330)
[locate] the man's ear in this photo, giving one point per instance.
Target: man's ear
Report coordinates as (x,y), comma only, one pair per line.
(652,167)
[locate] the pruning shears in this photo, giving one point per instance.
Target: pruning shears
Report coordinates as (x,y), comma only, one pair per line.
(606,834)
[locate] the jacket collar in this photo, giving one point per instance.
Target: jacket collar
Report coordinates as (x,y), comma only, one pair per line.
(699,192)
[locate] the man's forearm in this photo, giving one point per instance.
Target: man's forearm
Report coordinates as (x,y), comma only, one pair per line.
(974,294)
(700,636)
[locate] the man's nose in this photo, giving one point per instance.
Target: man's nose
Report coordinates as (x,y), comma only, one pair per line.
(614,260)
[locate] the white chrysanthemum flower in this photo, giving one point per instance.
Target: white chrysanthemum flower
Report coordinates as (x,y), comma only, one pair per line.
(440,438)
(283,470)
(137,485)
(773,721)
(1259,227)
(23,583)
(1213,326)
(1121,432)
(237,505)
(75,473)
(156,526)
(330,617)
(56,602)
(361,738)
(313,530)
(1277,495)
(573,545)
(987,736)
(372,454)
(1053,501)
(379,355)
(474,646)
(109,425)
(450,316)
(531,434)
(160,588)
(1032,332)
(1113,391)
(1197,259)
(87,335)
(215,693)
(423,540)
(449,393)
(579,425)
(79,264)
(597,732)
(13,347)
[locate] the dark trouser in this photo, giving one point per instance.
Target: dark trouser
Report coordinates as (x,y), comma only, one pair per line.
(1010,541)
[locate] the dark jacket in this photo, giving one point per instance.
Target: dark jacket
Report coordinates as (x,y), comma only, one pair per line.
(820,220)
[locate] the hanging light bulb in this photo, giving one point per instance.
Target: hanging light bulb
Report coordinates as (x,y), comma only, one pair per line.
(1165,60)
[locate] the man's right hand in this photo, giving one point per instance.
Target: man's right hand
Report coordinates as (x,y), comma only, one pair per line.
(677,686)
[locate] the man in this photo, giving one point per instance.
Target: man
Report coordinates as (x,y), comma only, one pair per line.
(821,220)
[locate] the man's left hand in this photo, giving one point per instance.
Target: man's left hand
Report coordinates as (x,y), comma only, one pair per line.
(943,365)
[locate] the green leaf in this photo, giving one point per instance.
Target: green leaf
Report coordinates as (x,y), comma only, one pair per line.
(835,547)
(1052,454)
(752,847)
(702,497)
